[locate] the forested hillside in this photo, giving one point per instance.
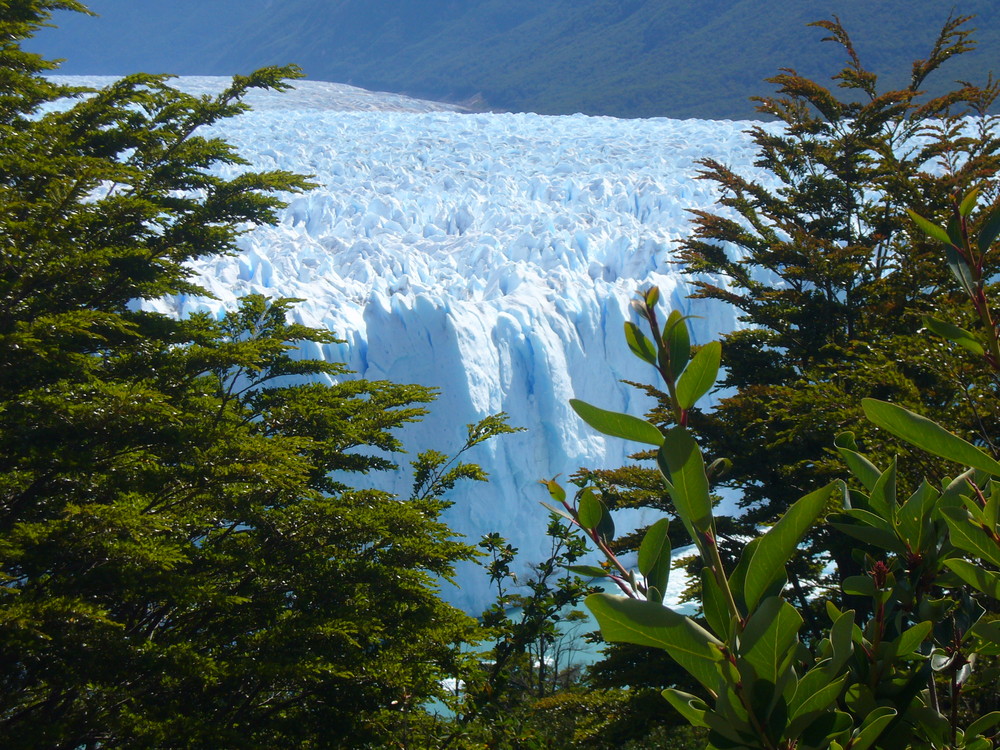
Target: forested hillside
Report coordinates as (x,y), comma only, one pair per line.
(627,58)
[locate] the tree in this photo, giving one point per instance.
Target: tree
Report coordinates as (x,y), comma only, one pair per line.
(895,674)
(183,559)
(832,281)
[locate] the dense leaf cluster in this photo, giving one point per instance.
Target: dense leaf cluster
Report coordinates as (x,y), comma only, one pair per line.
(184,558)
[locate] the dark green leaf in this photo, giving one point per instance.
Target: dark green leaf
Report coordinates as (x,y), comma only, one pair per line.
(590,510)
(654,557)
(990,230)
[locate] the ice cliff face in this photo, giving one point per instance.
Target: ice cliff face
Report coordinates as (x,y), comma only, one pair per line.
(492,256)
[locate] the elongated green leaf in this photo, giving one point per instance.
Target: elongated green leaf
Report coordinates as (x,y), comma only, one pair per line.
(970,538)
(928,435)
(858,586)
(681,462)
(557,511)
(952,332)
(990,230)
(763,560)
(841,641)
(699,376)
(654,558)
(959,268)
(883,496)
(689,706)
(876,537)
(913,518)
(616,424)
(678,343)
(816,691)
(651,624)
(641,346)
(655,545)
(770,636)
(859,465)
(591,571)
(911,638)
(652,296)
(555,490)
(968,202)
(983,724)
(873,726)
(714,605)
(929,228)
(606,528)
(976,576)
(589,511)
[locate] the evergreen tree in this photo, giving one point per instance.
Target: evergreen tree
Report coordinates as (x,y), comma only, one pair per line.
(183,562)
(832,280)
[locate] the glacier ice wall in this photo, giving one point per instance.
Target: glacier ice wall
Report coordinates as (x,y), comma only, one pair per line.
(492,256)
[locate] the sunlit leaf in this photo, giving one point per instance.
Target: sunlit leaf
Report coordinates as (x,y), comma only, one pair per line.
(763,561)
(689,706)
(968,202)
(970,538)
(953,333)
(641,346)
(874,724)
(616,424)
(590,571)
(976,576)
(927,435)
(700,375)
(678,343)
(651,624)
(859,464)
(911,638)
(681,462)
(929,228)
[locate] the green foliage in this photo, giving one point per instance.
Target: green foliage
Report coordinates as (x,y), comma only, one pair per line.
(185,560)
(827,270)
(895,674)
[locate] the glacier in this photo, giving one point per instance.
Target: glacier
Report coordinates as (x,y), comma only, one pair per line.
(491,256)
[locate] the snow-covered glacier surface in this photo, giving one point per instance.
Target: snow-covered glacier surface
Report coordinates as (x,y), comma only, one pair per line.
(492,256)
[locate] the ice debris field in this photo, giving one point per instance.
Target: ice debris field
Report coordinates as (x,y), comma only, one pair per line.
(493,256)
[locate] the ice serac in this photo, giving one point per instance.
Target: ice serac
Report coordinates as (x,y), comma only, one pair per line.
(493,256)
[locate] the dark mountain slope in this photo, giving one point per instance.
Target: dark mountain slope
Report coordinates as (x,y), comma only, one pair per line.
(682,58)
